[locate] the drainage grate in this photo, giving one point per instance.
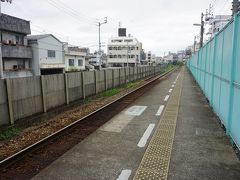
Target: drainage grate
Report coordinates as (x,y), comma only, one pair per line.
(156,160)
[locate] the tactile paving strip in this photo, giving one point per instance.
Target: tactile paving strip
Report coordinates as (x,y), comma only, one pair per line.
(156,160)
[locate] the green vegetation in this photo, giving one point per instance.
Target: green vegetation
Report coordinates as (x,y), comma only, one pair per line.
(131,84)
(109,93)
(9,133)
(167,68)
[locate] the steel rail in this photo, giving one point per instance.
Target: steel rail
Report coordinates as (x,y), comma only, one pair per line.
(24,152)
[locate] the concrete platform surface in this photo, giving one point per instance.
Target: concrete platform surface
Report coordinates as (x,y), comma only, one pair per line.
(116,149)
(200,149)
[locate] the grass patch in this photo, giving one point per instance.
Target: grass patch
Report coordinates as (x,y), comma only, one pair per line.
(131,84)
(167,68)
(109,93)
(9,133)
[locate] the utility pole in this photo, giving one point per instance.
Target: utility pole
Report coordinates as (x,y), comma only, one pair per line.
(201,30)
(194,45)
(235,7)
(1,60)
(99,49)
(127,53)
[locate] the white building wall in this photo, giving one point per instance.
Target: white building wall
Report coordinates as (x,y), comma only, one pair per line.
(50,43)
(40,55)
(120,56)
(76,59)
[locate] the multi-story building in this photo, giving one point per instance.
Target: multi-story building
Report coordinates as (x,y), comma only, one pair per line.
(217,23)
(151,58)
(75,58)
(124,50)
(48,54)
(16,54)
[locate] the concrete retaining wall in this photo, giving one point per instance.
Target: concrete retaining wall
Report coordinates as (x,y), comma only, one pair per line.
(23,97)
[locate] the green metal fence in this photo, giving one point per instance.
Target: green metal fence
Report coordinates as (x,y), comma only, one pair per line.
(216,68)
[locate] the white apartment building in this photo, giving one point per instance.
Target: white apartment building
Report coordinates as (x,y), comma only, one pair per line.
(151,58)
(75,58)
(124,51)
(48,54)
(217,23)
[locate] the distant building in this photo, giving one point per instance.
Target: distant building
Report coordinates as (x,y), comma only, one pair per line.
(48,54)
(217,23)
(159,60)
(93,59)
(171,57)
(16,54)
(75,58)
(123,50)
(151,58)
(181,55)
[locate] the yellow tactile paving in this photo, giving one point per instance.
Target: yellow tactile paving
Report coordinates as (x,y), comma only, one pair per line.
(156,160)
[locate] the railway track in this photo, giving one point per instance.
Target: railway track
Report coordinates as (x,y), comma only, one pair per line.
(31,160)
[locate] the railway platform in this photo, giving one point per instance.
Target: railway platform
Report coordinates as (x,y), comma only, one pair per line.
(168,133)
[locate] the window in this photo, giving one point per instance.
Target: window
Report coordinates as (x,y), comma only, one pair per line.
(119,48)
(119,56)
(80,62)
(71,62)
(115,56)
(110,47)
(51,54)
(132,56)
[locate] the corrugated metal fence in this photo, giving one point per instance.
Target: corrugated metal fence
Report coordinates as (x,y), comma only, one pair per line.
(216,68)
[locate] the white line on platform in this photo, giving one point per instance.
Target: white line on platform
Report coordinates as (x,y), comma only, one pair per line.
(160,110)
(125,174)
(170,90)
(173,86)
(166,98)
(146,135)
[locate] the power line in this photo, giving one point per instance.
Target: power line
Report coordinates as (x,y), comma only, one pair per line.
(63,9)
(74,11)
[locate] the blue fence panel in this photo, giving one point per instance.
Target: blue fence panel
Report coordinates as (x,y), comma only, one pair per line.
(216,69)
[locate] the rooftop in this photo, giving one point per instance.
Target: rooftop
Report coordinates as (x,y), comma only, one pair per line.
(14,24)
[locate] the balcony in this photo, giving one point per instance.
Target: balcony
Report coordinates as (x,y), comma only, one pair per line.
(16,51)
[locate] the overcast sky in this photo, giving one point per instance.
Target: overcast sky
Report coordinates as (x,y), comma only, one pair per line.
(161,25)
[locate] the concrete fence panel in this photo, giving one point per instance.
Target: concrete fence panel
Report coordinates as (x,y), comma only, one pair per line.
(131,76)
(122,76)
(26,96)
(54,90)
(89,79)
(135,69)
(4,115)
(100,81)
(116,77)
(109,75)
(75,86)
